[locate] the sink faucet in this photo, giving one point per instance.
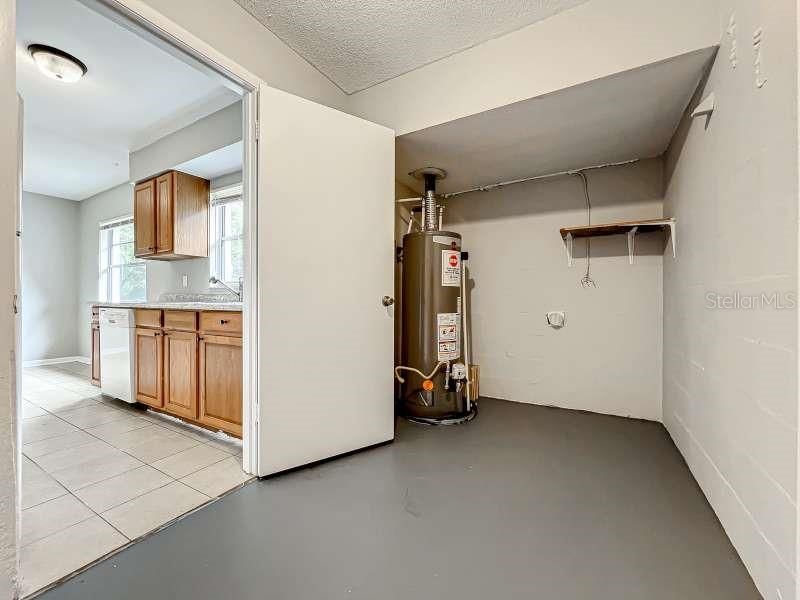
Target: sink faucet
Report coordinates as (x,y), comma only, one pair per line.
(238,294)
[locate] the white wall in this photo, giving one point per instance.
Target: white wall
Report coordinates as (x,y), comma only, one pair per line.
(226,180)
(608,357)
(162,276)
(212,132)
(9,469)
(232,31)
(730,375)
(588,42)
(116,202)
(50,269)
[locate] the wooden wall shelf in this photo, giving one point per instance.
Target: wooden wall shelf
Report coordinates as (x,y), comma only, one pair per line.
(629,228)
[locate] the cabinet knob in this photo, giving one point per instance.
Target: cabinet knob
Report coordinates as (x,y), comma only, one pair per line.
(387,301)
(224,321)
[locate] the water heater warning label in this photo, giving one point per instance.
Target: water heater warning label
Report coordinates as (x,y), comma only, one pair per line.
(451,268)
(447,336)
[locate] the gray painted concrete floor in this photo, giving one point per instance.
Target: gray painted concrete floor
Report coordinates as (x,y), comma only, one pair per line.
(524,502)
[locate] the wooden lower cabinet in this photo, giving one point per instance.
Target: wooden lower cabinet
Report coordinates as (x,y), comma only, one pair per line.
(149,367)
(180,373)
(187,373)
(96,354)
(221,382)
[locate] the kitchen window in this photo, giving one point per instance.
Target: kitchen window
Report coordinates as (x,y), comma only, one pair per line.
(226,235)
(123,277)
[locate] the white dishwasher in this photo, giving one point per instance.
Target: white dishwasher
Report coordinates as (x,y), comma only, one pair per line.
(118,353)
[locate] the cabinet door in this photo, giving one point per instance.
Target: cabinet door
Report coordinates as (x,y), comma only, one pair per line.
(149,357)
(221,383)
(180,373)
(190,215)
(144,218)
(165,194)
(96,354)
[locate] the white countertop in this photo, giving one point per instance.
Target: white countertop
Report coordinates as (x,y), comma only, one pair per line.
(228,306)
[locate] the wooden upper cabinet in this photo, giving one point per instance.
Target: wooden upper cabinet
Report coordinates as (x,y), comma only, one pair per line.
(144,218)
(179,217)
(180,373)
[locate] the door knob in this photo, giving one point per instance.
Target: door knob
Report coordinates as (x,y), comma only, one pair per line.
(388,301)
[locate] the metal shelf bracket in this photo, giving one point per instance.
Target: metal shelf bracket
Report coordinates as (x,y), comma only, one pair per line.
(570,260)
(632,244)
(630,228)
(672,239)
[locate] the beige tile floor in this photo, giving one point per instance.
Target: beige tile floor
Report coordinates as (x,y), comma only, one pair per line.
(98,473)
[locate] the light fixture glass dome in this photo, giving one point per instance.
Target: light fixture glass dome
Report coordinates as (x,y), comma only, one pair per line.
(56,63)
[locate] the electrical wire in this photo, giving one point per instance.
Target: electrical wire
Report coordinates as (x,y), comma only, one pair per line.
(586,280)
(417,371)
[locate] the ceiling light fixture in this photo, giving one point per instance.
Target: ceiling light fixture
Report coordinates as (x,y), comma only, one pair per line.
(56,63)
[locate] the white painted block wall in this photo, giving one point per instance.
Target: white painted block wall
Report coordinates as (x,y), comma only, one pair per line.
(608,357)
(730,376)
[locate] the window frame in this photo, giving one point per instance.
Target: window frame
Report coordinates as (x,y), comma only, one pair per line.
(106,265)
(217,237)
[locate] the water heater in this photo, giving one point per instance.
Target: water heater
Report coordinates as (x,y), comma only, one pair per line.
(434,373)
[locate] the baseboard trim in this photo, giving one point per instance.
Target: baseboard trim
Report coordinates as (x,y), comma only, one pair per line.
(57,361)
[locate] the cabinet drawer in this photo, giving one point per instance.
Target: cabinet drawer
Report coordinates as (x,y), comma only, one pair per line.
(148,317)
(180,320)
(223,323)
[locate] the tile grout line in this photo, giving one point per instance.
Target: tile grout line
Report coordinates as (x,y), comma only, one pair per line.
(66,491)
(100,481)
(71,493)
(57,531)
(226,492)
(144,463)
(196,470)
(128,540)
(170,482)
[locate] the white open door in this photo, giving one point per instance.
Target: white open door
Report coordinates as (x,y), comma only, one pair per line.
(325,261)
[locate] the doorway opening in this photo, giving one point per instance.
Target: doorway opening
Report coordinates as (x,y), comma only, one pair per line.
(137,273)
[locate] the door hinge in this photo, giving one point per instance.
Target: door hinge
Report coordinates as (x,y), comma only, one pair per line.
(258,130)
(15,304)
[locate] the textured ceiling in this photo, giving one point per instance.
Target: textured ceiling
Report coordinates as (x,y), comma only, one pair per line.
(358,43)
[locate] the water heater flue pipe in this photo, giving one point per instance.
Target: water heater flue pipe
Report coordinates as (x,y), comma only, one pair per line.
(429,175)
(429,210)
(430,201)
